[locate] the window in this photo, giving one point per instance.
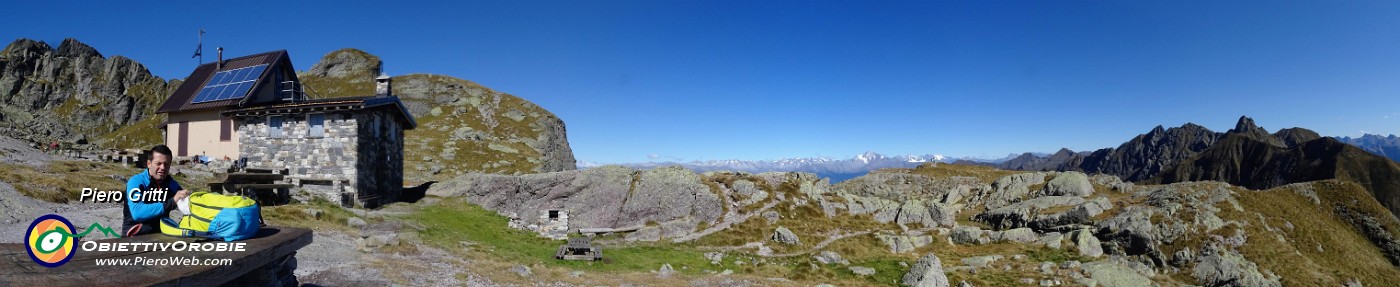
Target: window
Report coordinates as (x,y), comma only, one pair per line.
(374,126)
(318,125)
(225,129)
(274,126)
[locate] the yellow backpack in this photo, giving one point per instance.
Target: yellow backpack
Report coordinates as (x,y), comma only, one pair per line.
(218,216)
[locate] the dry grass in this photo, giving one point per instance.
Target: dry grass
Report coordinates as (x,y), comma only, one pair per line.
(1345,254)
(943,170)
(331,217)
(435,132)
(63,181)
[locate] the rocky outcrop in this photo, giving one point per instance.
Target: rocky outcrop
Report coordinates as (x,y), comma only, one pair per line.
(1046,213)
(659,204)
(1087,244)
(906,199)
(1013,188)
(72,93)
(1371,227)
(1169,213)
(1112,273)
(1219,266)
(927,272)
(1071,183)
(904,243)
(828,257)
(353,64)
(785,236)
(463,128)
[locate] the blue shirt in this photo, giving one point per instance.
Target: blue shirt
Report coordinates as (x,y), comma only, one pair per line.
(143,211)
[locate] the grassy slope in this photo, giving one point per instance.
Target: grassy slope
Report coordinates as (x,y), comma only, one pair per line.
(436,132)
(140,135)
(1345,252)
(426,145)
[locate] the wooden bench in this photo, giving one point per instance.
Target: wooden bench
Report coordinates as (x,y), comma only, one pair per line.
(248,177)
(271,245)
(252,185)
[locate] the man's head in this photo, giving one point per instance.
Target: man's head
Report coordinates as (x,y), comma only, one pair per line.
(158,162)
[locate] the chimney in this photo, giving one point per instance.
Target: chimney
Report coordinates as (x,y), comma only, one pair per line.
(383,85)
(220,65)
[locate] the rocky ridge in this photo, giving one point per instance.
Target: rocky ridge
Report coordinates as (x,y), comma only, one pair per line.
(73,93)
(1246,155)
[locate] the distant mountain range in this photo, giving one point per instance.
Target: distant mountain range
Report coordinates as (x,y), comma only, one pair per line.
(1386,146)
(835,169)
(1247,155)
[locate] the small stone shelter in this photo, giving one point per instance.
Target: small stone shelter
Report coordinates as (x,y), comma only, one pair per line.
(348,150)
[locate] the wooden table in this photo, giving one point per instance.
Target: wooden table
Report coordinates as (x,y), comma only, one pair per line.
(17,269)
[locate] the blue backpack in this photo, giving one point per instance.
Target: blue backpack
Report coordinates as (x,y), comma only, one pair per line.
(217,216)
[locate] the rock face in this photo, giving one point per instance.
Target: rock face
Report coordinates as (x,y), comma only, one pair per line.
(463,127)
(927,272)
(73,93)
(663,203)
(1148,154)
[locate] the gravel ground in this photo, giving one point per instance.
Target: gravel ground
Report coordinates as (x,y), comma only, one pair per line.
(18,211)
(17,151)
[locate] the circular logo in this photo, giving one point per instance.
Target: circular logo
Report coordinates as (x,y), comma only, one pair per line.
(50,240)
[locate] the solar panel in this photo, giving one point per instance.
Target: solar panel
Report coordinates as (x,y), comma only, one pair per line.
(230,84)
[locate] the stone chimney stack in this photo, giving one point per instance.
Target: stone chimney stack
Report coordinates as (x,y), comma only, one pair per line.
(383,85)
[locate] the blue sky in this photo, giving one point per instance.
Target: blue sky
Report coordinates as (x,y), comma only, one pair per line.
(695,80)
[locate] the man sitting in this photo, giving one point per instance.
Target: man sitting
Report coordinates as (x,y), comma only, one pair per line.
(142,212)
